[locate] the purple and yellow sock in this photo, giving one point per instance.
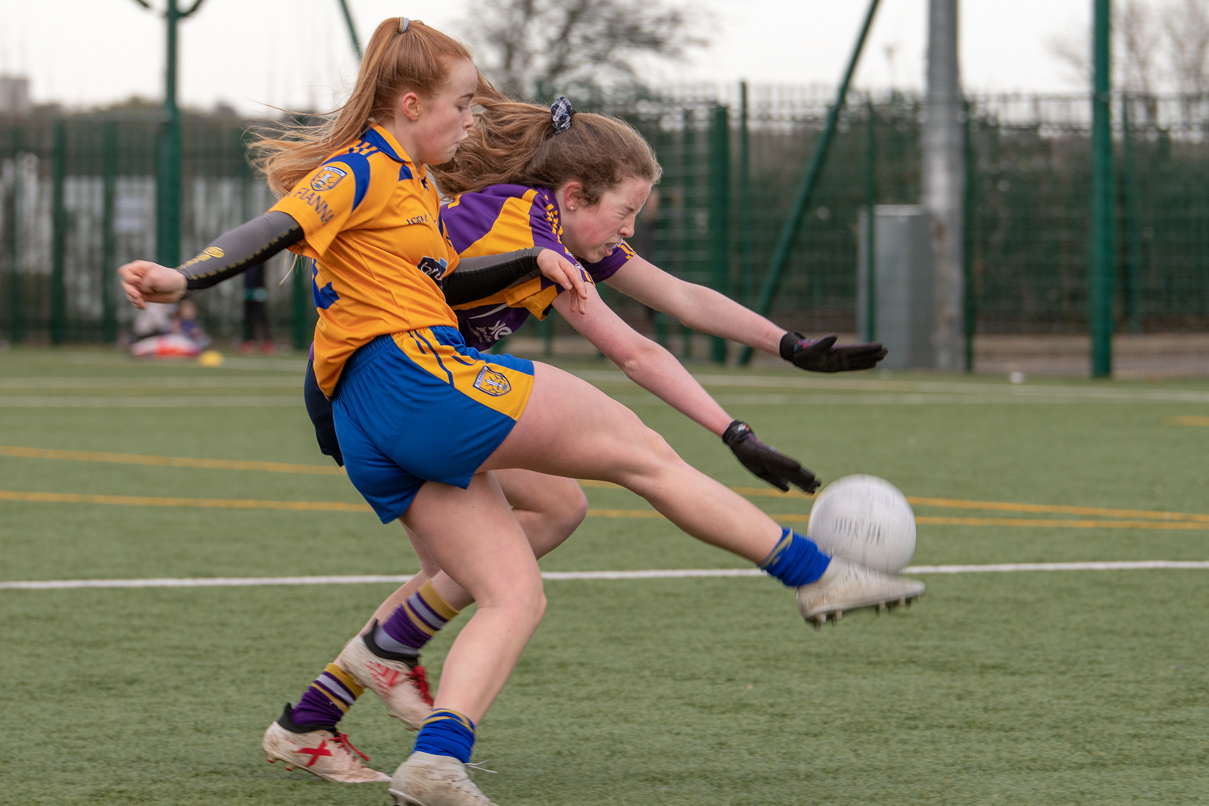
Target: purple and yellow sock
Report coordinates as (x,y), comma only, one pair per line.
(795,560)
(414,622)
(446,733)
(328,699)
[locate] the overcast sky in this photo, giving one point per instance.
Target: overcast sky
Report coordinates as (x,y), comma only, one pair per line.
(296,53)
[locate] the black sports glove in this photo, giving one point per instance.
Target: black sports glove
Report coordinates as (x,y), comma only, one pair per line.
(819,355)
(765,461)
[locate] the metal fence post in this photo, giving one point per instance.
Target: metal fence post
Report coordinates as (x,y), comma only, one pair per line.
(58,288)
(747,235)
(719,214)
(870,267)
(1103,224)
(302,278)
(688,163)
(969,310)
(109,168)
(16,310)
(1133,223)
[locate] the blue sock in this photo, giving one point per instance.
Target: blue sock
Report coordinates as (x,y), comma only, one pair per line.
(446,733)
(795,560)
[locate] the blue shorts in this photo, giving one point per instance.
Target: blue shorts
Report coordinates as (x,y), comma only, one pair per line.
(422,406)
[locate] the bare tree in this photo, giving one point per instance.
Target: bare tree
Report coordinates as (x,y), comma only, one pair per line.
(1186,24)
(1138,41)
(521,44)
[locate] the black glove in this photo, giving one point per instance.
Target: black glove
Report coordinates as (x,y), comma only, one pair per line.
(818,355)
(765,461)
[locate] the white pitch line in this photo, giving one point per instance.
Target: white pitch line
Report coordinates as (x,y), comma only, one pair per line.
(239,582)
(122,402)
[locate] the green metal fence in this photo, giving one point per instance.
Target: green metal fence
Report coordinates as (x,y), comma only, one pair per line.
(77,198)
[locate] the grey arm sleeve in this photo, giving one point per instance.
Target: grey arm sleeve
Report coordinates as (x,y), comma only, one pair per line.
(248,244)
(479,277)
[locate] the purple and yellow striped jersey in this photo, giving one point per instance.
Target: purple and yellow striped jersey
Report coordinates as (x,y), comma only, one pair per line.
(504,218)
(372,224)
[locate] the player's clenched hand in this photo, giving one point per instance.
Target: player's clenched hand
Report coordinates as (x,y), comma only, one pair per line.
(824,355)
(144,281)
(566,274)
(766,461)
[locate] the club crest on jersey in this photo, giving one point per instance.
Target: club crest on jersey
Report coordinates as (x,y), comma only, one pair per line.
(327,178)
(490,382)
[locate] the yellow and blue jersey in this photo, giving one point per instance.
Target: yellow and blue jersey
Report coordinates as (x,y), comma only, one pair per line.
(371,219)
(505,218)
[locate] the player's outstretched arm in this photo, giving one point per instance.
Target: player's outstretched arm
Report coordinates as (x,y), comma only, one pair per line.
(655,369)
(229,255)
(645,363)
(706,310)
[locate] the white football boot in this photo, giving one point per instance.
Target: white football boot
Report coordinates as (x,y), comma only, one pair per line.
(847,586)
(325,753)
(403,688)
(425,779)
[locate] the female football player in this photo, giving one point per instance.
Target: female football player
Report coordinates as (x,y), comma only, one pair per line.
(422,419)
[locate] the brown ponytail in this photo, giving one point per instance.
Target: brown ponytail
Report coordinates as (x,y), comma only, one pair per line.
(417,58)
(515,143)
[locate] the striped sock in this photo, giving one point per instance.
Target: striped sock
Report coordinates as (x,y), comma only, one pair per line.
(795,560)
(446,733)
(327,700)
(414,622)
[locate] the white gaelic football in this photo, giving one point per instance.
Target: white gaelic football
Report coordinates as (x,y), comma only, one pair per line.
(865,519)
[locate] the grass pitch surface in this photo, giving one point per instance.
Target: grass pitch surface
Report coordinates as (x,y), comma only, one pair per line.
(1027,687)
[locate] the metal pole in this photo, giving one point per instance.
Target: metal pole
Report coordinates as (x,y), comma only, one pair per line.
(58,285)
(168,157)
(688,238)
(969,314)
(1133,220)
(352,29)
(16,296)
(109,168)
(1103,225)
(789,229)
(870,266)
(747,239)
(719,214)
(944,183)
(302,279)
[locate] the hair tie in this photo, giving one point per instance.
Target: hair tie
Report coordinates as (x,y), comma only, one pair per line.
(403,23)
(560,114)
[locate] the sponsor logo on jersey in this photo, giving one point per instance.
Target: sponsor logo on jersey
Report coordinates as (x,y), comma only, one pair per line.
(434,267)
(327,178)
(316,203)
(490,382)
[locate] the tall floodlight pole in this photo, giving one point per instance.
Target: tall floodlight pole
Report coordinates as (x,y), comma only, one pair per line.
(1103,208)
(168,149)
(944,182)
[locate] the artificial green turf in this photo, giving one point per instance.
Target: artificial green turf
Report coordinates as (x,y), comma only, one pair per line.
(1061,687)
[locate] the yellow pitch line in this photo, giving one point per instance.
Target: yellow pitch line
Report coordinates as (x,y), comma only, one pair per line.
(206,503)
(340,506)
(168,461)
(1189,420)
(750,492)
(1059,523)
(949,503)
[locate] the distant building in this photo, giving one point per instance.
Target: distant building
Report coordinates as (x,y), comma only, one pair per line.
(14,96)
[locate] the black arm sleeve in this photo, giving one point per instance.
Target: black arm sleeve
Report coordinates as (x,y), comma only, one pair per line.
(248,244)
(479,277)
